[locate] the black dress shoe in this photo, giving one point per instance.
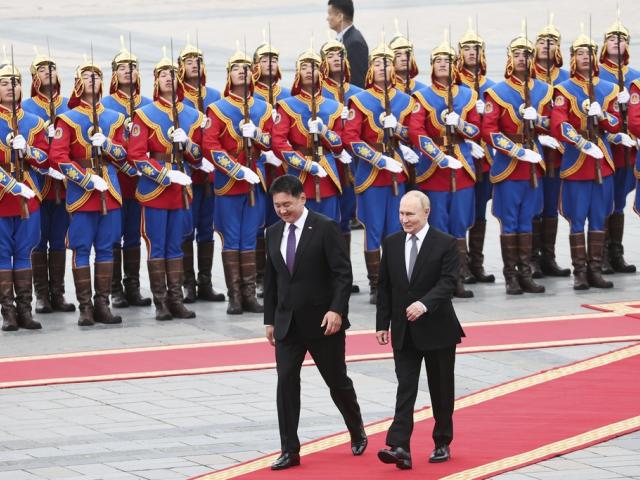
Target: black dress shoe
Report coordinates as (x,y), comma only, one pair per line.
(440,454)
(360,445)
(397,455)
(286,460)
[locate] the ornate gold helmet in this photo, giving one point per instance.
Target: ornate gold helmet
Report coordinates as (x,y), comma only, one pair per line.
(166,63)
(583,41)
(308,56)
(239,58)
(264,49)
(88,65)
(472,38)
(37,62)
(123,57)
(191,51)
(381,51)
(521,42)
(333,45)
(401,42)
(445,49)
(11,71)
(550,31)
(616,28)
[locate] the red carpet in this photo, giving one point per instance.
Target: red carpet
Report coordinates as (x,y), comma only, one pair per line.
(256,353)
(496,430)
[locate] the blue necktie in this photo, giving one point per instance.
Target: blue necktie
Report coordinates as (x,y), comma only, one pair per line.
(291,248)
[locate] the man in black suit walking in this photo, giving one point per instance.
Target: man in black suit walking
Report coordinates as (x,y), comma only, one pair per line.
(307,286)
(418,275)
(340,19)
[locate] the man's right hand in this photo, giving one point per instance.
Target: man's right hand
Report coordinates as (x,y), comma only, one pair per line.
(269,334)
(382,336)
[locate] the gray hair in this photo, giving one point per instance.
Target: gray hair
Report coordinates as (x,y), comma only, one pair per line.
(425,204)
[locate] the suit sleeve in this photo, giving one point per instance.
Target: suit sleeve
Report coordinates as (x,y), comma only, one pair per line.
(270,291)
(358,54)
(444,288)
(335,250)
(383,306)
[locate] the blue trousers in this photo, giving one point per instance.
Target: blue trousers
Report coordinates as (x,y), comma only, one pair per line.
(636,205)
(202,214)
(163,231)
(551,196)
(91,229)
(379,211)
(347,208)
(452,212)
(584,200)
(129,217)
(515,203)
(483,191)
(18,238)
(329,207)
(54,223)
(623,183)
(237,222)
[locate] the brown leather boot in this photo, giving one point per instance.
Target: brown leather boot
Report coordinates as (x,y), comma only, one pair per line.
(82,282)
(536,248)
(607,269)
(579,261)
(175,280)
(231,265)
(616,249)
(118,299)
(205,265)
(103,279)
(131,264)
(158,282)
(261,259)
(41,281)
(57,264)
(594,262)
(476,258)
(509,247)
(347,238)
(188,272)
(548,251)
(248,282)
(22,283)
(9,312)
(372,261)
(460,291)
(525,273)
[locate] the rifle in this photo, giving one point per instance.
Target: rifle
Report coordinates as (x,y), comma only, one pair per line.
(388,132)
(623,106)
(17,158)
(411,169)
(132,96)
(52,119)
(316,140)
(450,130)
(528,127)
(476,87)
(550,167)
(246,142)
(201,109)
(177,148)
(97,161)
(592,128)
(347,169)
(270,74)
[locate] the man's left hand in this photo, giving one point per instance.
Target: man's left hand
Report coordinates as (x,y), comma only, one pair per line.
(415,311)
(332,321)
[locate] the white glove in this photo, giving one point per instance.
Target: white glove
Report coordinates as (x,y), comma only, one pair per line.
(25,192)
(56,175)
(638,146)
(530,113)
(99,184)
(249,130)
(321,171)
(19,143)
(179,136)
(207,166)
(315,126)
(344,157)
(531,156)
(477,151)
(98,140)
(203,124)
(409,155)
(176,176)
(480,107)
(51,131)
(624,140)
(450,162)
(345,113)
(595,110)
(623,96)
(390,121)
(549,142)
(274,114)
(391,165)
(250,176)
(592,150)
(452,119)
(271,159)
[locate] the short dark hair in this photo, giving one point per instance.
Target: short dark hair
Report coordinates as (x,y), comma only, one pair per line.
(345,6)
(287,184)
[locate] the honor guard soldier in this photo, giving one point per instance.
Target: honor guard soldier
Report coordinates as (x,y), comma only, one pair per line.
(49,256)
(405,65)
(238,131)
(193,74)
(472,72)
(515,110)
(548,60)
(585,116)
(165,146)
(443,126)
(634,129)
(23,149)
(125,98)
(89,149)
(373,134)
(614,68)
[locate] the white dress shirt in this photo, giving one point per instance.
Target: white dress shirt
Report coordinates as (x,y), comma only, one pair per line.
(407,251)
(340,36)
(285,233)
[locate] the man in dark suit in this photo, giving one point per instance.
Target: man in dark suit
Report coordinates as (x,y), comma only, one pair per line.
(418,275)
(340,19)
(307,286)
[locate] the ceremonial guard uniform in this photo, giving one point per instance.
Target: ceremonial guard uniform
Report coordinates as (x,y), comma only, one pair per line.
(584,114)
(373,138)
(634,129)
(517,165)
(23,148)
(164,149)
(238,130)
(90,157)
(443,126)
(405,65)
(193,74)
(122,88)
(49,256)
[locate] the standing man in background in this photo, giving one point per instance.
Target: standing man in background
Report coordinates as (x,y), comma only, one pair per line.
(340,19)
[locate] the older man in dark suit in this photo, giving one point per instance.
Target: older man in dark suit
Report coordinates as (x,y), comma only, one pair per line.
(307,286)
(340,19)
(418,275)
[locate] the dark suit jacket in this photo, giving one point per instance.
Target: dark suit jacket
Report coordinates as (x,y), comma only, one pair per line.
(433,282)
(358,55)
(321,279)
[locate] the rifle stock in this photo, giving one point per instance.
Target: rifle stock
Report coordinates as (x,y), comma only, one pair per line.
(177,148)
(315,138)
(388,133)
(96,152)
(246,142)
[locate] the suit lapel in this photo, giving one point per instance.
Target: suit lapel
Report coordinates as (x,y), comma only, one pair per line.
(275,241)
(305,236)
(403,244)
(423,254)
